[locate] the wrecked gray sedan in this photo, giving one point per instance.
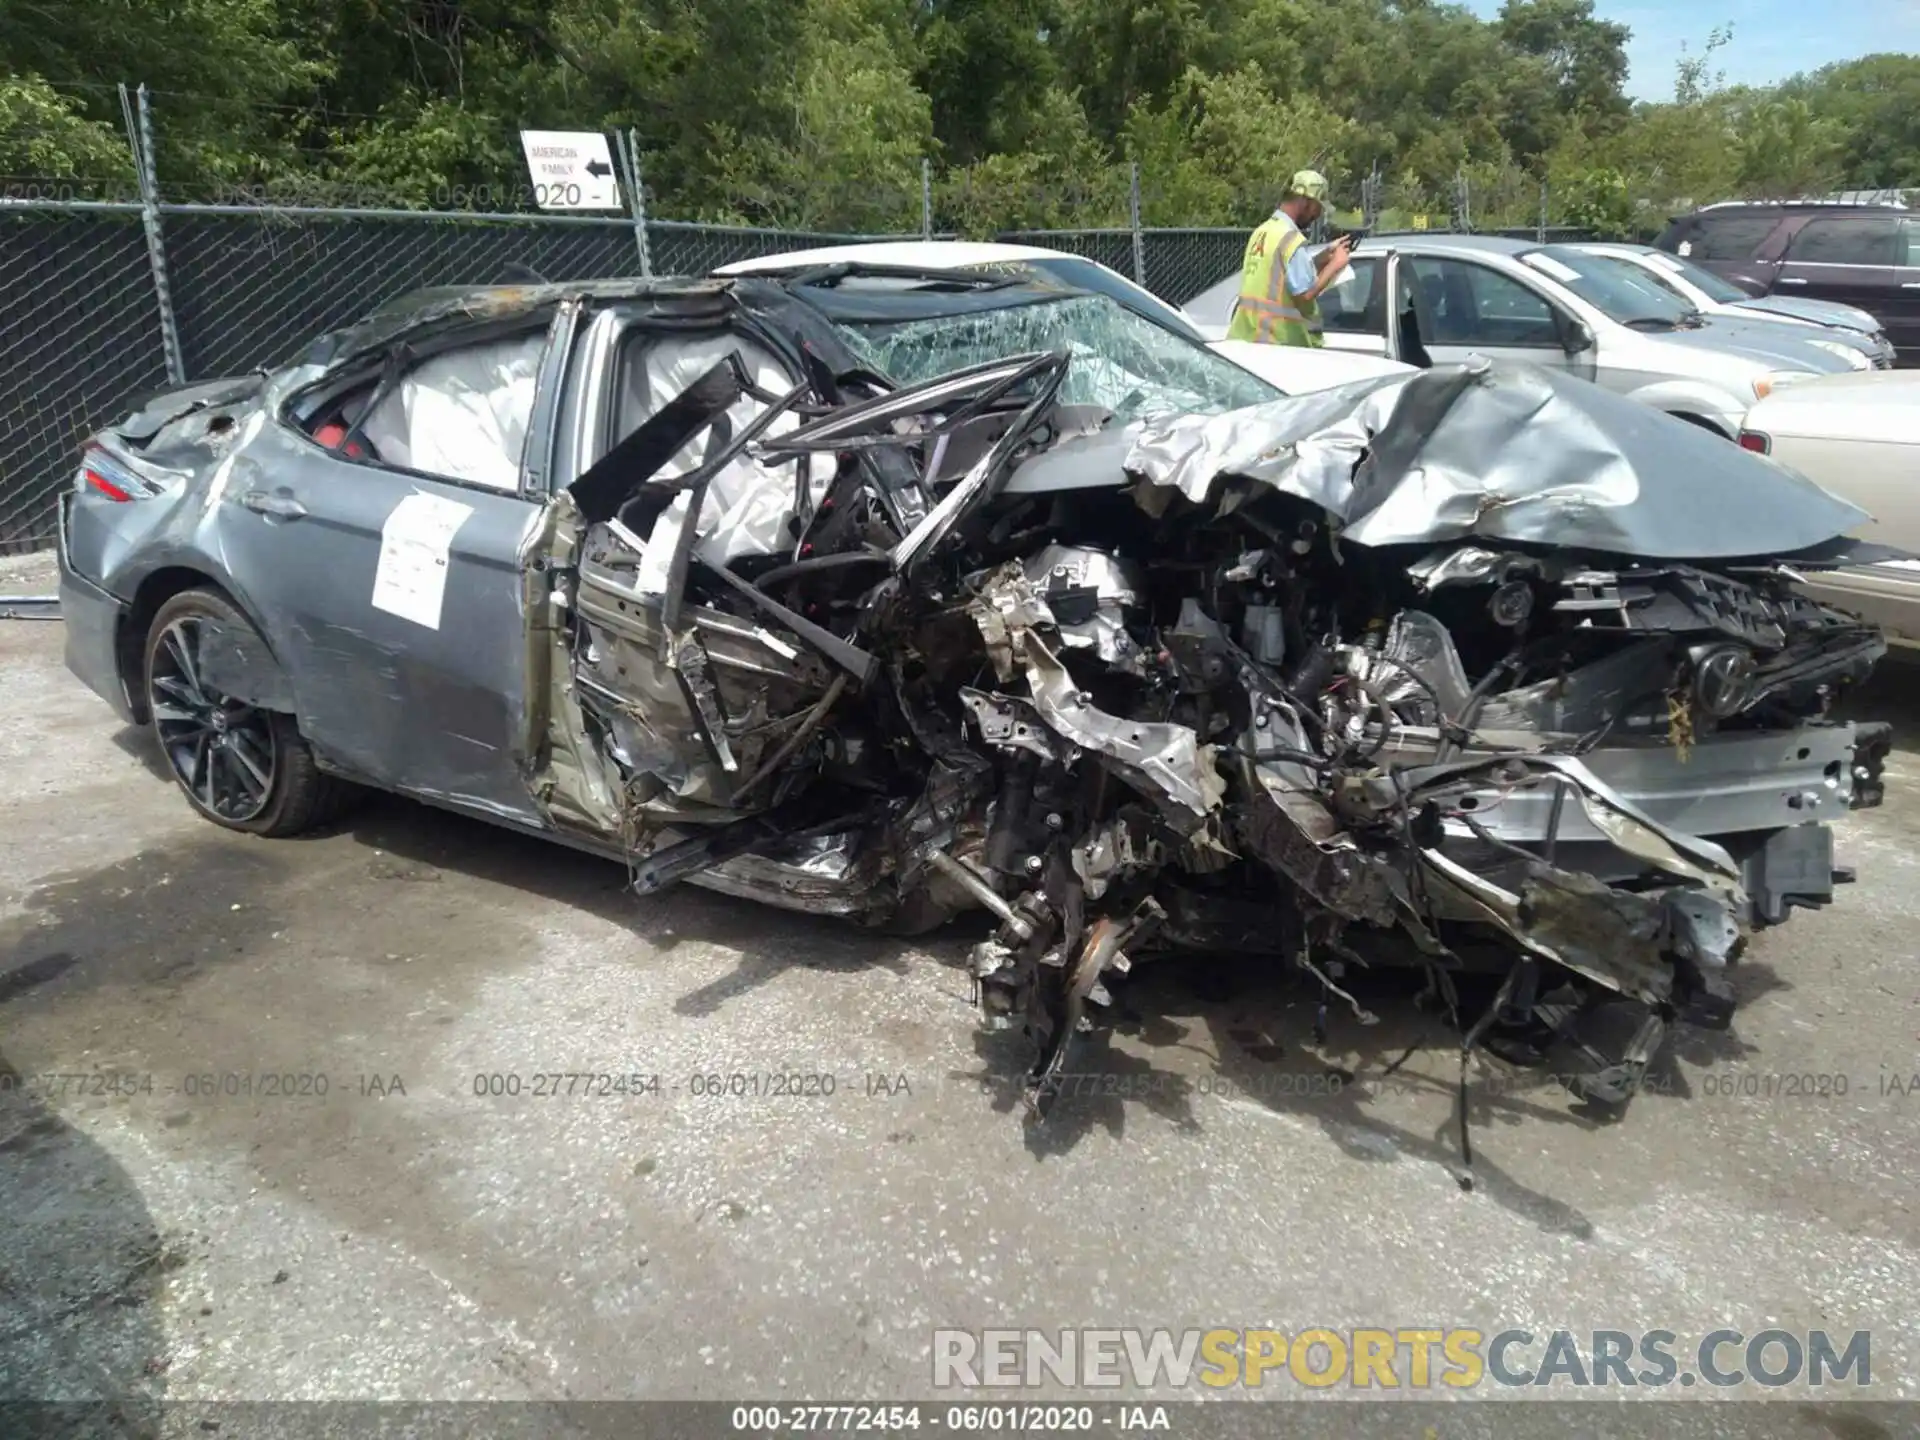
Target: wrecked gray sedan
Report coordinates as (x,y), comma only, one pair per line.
(903,599)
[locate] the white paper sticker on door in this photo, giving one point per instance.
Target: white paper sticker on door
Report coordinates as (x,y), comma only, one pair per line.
(414,543)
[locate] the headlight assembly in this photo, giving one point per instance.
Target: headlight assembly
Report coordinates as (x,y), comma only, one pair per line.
(1855,358)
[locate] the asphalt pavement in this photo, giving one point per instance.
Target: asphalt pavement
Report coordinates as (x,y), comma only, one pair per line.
(274,1129)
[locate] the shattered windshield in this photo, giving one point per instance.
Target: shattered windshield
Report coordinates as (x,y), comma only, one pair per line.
(1121,362)
(1087,275)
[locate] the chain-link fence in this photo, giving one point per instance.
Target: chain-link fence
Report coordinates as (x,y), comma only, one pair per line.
(112,286)
(81,334)
(90,304)
(95,296)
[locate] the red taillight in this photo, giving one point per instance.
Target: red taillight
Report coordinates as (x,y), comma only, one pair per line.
(104,473)
(1755,441)
(102,484)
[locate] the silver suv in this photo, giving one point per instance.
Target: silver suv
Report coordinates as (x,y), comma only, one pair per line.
(1440,298)
(1711,294)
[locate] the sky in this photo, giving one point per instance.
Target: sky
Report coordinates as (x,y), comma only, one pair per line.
(1771,38)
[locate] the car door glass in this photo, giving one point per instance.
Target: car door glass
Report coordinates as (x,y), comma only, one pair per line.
(1845,240)
(1432,280)
(1910,243)
(1343,304)
(463,414)
(1729,237)
(1476,305)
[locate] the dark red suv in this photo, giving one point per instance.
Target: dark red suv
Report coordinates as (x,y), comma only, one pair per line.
(1865,256)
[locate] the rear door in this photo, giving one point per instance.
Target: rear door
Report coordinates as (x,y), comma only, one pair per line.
(1848,258)
(383,560)
(1477,310)
(1901,315)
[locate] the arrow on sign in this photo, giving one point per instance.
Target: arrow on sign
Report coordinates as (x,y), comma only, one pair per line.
(596,168)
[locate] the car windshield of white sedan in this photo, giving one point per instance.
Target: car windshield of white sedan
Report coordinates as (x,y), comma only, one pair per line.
(1120,361)
(1721,292)
(1611,287)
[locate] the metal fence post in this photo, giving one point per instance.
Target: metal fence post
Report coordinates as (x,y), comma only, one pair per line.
(1541,235)
(628,143)
(1133,216)
(140,140)
(926,198)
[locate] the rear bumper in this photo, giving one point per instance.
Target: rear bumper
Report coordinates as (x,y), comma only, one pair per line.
(93,618)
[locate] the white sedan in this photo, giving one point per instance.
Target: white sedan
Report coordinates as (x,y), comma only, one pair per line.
(1852,329)
(1292,369)
(1859,437)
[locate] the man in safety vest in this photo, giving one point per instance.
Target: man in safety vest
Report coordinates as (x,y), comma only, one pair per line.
(1279,282)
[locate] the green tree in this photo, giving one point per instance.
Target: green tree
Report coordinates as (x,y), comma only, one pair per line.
(819,112)
(1788,149)
(1875,104)
(847,152)
(43,136)
(989,73)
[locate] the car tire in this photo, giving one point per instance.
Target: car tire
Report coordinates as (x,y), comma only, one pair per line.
(240,766)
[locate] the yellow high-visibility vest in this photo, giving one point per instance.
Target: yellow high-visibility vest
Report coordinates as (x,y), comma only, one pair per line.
(1268,311)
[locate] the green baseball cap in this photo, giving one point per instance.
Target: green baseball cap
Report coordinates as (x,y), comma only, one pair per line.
(1310,183)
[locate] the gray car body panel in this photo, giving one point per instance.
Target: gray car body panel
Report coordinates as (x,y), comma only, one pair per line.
(427,711)
(1507,452)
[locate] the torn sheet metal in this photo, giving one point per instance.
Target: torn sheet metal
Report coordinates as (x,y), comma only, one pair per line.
(1158,758)
(1500,452)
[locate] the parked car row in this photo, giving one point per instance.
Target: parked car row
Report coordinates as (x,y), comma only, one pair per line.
(1441,298)
(1866,257)
(1710,294)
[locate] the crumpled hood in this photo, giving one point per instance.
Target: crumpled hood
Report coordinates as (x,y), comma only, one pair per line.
(1501,451)
(1824,312)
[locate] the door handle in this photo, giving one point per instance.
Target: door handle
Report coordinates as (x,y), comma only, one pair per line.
(1785,280)
(277,507)
(1910,284)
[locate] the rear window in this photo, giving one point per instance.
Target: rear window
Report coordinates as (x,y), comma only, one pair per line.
(1727,237)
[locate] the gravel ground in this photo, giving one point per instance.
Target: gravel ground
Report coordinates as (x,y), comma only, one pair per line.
(402,1237)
